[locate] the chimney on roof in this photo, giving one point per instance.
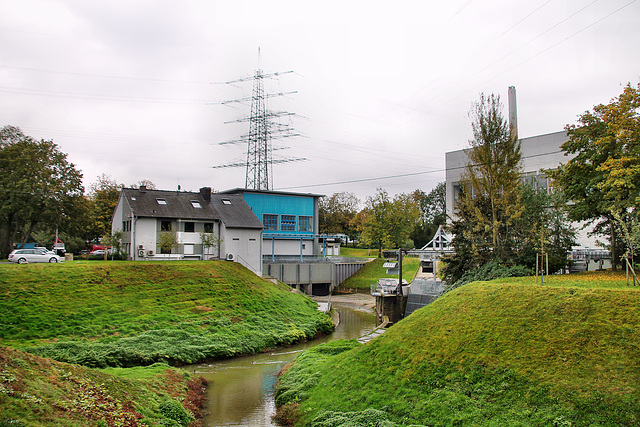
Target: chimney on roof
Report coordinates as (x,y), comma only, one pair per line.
(205,192)
(513,112)
(143,188)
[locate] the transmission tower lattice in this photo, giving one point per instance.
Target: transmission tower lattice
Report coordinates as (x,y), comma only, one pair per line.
(263,129)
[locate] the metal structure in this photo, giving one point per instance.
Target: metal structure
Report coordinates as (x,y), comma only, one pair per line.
(263,130)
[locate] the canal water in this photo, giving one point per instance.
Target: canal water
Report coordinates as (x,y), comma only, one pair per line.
(241,390)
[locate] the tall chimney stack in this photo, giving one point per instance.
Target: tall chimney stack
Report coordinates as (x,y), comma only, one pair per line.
(513,112)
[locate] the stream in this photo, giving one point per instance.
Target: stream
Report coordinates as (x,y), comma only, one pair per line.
(241,391)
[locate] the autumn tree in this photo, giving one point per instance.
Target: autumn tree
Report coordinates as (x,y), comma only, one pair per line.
(103,197)
(602,180)
(40,190)
(336,213)
(490,202)
(388,222)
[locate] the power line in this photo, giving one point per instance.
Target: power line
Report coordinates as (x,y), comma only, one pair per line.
(406,174)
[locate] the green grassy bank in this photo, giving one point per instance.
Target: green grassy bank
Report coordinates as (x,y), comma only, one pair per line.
(40,392)
(101,314)
(501,353)
(374,270)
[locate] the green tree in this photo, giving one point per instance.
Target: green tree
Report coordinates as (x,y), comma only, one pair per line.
(167,240)
(113,240)
(433,213)
(337,212)
(604,174)
(209,241)
(384,222)
(40,190)
(490,201)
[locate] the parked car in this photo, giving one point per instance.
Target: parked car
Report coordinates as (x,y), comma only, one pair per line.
(24,256)
(97,252)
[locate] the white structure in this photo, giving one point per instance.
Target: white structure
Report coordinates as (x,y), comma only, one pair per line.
(143,215)
(538,153)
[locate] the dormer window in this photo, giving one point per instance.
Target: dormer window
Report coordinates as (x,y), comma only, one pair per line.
(226,201)
(161,201)
(196,204)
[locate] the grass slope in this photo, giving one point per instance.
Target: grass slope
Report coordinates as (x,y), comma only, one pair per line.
(374,270)
(40,392)
(506,352)
(136,313)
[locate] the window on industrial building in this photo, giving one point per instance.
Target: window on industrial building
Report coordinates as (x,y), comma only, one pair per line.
(270,222)
(305,223)
(288,222)
(208,227)
(189,227)
(165,225)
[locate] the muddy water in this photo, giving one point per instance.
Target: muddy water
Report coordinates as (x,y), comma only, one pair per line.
(241,391)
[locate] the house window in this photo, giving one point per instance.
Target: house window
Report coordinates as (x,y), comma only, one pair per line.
(305,223)
(161,201)
(189,227)
(226,201)
(165,225)
(196,204)
(270,222)
(208,227)
(288,223)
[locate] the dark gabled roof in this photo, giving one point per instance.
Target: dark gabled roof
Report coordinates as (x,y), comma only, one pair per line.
(234,211)
(178,204)
(231,209)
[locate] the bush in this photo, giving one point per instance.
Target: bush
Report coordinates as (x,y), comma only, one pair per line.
(489,271)
(174,411)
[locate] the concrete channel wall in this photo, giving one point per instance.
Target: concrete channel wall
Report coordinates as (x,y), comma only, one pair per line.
(313,278)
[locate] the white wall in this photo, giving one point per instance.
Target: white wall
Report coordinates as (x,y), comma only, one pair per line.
(287,246)
(244,245)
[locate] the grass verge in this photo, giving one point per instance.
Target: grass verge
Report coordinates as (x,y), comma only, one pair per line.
(505,352)
(37,391)
(374,270)
(124,314)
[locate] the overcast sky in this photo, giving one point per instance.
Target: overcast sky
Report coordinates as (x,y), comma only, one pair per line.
(134,89)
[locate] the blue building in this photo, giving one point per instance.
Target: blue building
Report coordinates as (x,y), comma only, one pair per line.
(290,222)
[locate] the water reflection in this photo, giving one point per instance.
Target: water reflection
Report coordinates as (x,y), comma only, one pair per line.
(241,391)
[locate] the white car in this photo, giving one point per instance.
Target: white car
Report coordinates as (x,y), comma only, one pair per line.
(24,256)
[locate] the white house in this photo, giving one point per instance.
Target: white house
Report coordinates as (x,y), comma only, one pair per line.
(143,215)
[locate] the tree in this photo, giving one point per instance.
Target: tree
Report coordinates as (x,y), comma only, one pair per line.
(336,213)
(209,240)
(167,240)
(40,190)
(490,201)
(604,175)
(433,213)
(103,196)
(146,183)
(113,240)
(385,222)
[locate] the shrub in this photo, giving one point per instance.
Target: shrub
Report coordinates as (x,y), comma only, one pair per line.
(489,271)
(174,411)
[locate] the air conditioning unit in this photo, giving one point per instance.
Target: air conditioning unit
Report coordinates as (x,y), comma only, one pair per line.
(150,252)
(229,257)
(141,253)
(140,246)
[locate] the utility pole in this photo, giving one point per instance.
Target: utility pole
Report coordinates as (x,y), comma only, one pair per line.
(263,130)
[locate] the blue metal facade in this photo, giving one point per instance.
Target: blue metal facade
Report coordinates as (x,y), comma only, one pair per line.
(284,214)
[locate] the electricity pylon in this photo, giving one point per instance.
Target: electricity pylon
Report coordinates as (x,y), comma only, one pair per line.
(263,129)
